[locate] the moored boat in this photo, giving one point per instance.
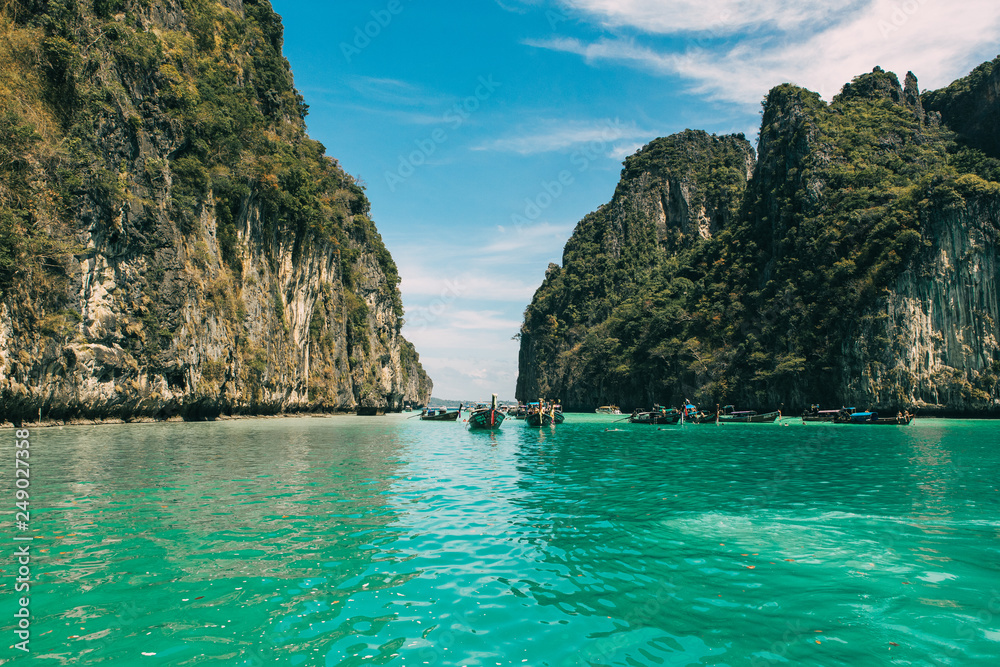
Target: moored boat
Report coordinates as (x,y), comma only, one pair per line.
(814,414)
(658,415)
(608,410)
(543,413)
(487,417)
(872,418)
(539,418)
(690,414)
(440,414)
(730,415)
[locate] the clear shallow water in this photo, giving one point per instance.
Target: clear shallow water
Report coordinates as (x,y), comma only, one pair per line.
(388,541)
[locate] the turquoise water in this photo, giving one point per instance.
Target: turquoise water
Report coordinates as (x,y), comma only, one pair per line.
(388,541)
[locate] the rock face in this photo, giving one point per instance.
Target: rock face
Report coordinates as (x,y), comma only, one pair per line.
(172,242)
(674,195)
(971,107)
(857,264)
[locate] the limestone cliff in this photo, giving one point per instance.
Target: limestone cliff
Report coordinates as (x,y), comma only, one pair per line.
(171,242)
(971,107)
(856,265)
(674,195)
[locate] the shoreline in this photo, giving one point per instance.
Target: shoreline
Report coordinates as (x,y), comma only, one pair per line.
(53,423)
(111,421)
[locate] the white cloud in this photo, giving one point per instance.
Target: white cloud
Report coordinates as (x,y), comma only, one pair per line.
(562,134)
(483,319)
(716,16)
(542,237)
(447,289)
(936,39)
(470,379)
(622,151)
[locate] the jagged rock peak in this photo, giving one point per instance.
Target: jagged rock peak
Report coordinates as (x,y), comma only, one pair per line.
(879,84)
(685,184)
(971,107)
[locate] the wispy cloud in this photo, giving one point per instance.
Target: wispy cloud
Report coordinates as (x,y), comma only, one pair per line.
(543,235)
(482,319)
(561,134)
(394,91)
(460,378)
(417,283)
(938,40)
(717,16)
(622,151)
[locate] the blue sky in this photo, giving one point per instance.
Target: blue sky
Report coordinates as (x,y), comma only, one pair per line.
(484,131)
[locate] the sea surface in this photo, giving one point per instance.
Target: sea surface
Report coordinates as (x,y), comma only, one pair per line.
(390,541)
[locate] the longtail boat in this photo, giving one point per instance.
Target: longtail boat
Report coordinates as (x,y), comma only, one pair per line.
(690,414)
(814,414)
(486,418)
(730,415)
(658,415)
(543,413)
(873,418)
(440,414)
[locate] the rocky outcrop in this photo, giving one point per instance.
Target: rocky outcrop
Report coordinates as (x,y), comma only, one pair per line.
(674,194)
(857,265)
(667,183)
(934,341)
(195,254)
(971,107)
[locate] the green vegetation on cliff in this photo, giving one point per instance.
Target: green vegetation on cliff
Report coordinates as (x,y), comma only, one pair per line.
(786,301)
(166,142)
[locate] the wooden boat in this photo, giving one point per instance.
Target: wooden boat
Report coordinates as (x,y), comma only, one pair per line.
(658,415)
(440,414)
(608,410)
(873,419)
(487,417)
(538,418)
(814,414)
(543,413)
(690,414)
(729,415)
